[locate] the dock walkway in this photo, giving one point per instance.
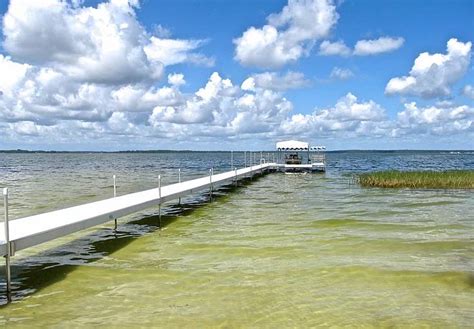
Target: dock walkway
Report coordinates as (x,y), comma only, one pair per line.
(33,230)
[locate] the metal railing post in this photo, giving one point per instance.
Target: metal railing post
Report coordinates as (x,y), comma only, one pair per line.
(251,165)
(115,186)
(115,195)
(179,181)
(245,159)
(236,179)
(7,241)
(231,159)
(210,181)
(159,205)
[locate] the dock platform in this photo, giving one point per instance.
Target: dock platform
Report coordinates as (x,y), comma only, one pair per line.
(30,231)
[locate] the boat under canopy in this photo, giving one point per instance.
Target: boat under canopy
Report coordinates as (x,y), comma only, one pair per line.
(297,156)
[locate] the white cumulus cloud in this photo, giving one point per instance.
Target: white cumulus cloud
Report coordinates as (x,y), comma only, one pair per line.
(432,75)
(73,70)
(377,46)
(99,45)
(328,48)
(176,79)
(12,74)
(104,44)
(173,51)
(275,81)
(348,117)
(222,108)
(27,128)
(361,48)
(434,120)
(288,34)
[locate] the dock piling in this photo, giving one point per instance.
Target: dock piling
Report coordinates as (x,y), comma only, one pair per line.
(7,241)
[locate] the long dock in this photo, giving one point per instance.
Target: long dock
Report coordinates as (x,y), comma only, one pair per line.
(30,231)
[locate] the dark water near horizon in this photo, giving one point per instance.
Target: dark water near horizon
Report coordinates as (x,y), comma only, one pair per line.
(283,250)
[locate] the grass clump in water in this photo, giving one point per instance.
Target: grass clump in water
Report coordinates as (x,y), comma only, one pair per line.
(455,179)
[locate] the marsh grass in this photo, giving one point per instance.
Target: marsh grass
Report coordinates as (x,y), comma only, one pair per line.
(451,179)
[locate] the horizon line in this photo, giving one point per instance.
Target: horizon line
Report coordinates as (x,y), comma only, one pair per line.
(220,151)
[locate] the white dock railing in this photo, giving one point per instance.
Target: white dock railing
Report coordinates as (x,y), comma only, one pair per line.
(30,231)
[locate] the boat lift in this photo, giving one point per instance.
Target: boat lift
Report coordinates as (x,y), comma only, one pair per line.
(297,156)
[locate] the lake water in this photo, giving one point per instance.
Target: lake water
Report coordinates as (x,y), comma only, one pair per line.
(279,251)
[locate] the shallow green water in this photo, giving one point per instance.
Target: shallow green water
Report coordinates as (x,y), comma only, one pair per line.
(281,251)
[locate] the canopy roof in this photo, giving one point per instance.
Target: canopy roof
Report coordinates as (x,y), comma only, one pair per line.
(297,146)
(292,146)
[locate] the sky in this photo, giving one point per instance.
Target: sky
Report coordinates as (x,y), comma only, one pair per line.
(236,75)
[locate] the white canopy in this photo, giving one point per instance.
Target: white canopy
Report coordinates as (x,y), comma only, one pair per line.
(292,146)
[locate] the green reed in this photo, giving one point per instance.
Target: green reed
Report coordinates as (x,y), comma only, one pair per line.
(456,179)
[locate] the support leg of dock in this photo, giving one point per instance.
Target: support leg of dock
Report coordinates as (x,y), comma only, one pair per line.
(159,205)
(179,181)
(159,216)
(115,195)
(8,245)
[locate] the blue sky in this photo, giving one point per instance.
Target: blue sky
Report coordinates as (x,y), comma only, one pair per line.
(94,75)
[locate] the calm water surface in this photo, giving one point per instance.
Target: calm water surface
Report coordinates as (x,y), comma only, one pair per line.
(280,251)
